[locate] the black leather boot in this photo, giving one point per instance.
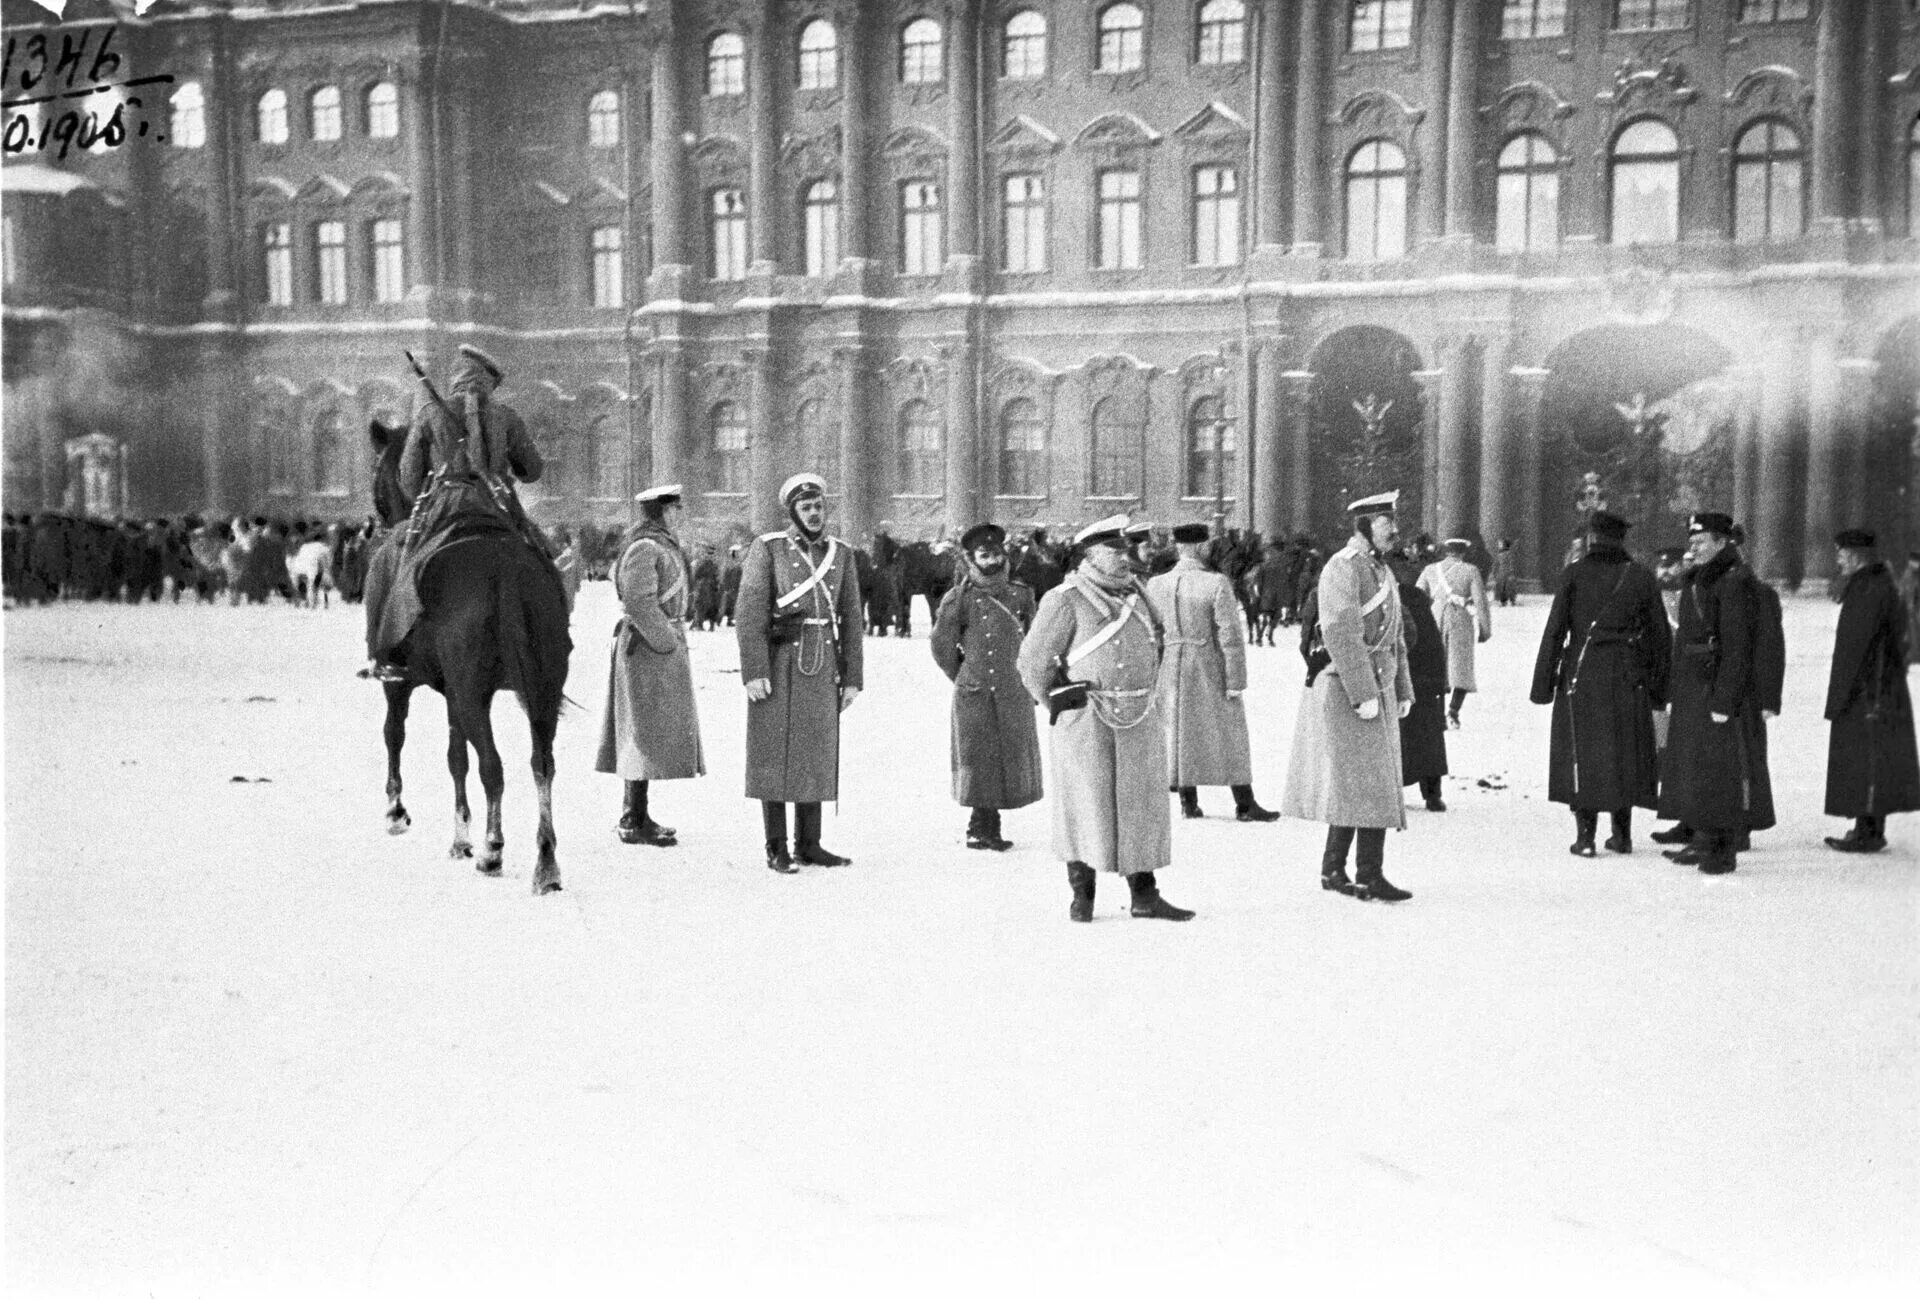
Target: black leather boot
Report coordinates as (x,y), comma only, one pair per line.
(774,817)
(1147,902)
(806,833)
(1430,791)
(1585,824)
(1190,803)
(1716,854)
(636,826)
(1621,840)
(1679,832)
(980,830)
(1372,885)
(1247,808)
(1865,836)
(1080,876)
(1000,842)
(1333,860)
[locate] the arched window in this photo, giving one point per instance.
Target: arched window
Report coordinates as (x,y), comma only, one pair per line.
(330,470)
(921,50)
(1524,19)
(1023,51)
(271,120)
(920,233)
(1220,34)
(1644,185)
(188,127)
(821,224)
(923,451)
(323,113)
(1527,195)
(728,427)
(383,110)
(1210,449)
(1118,450)
(727,65)
(1379,24)
(1023,450)
(819,56)
(729,235)
(1122,39)
(1769,196)
(603,120)
(1377,202)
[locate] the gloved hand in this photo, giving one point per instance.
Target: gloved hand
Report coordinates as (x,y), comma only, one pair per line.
(1368,710)
(758,689)
(1235,694)
(1719,719)
(847,695)
(1406,706)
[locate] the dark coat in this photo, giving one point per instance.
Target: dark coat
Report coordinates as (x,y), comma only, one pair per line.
(995,744)
(1713,775)
(1871,764)
(1605,661)
(1423,733)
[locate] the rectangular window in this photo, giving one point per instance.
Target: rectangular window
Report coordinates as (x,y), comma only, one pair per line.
(1119,246)
(1216,217)
(1024,224)
(389,260)
(729,235)
(823,228)
(1525,19)
(920,233)
(330,262)
(1380,25)
(276,252)
(609,267)
(1772,11)
(1647,15)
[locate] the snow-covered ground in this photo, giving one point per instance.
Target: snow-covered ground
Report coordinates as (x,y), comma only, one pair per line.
(255,1046)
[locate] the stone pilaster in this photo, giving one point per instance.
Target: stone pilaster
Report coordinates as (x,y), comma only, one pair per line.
(1299,443)
(1279,21)
(1747,381)
(856,494)
(963,127)
(1462,117)
(963,436)
(1833,100)
(1436,67)
(1824,433)
(858,45)
(1309,211)
(766,49)
(1266,441)
(668,159)
(763,468)
(670,408)
(1496,519)
(1852,473)
(1776,494)
(1434,413)
(1529,386)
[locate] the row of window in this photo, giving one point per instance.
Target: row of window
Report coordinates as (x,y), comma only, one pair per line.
(1116,448)
(326,280)
(323,120)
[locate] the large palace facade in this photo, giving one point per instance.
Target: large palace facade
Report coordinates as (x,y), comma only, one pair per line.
(1029,260)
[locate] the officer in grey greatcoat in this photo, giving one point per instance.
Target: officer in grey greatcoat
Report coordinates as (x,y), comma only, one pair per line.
(650,729)
(1459,596)
(976,641)
(799,625)
(1092,659)
(1345,767)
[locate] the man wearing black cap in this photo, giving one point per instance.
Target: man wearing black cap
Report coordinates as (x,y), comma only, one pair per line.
(977,632)
(1460,606)
(1708,771)
(799,626)
(1202,677)
(1604,662)
(1872,769)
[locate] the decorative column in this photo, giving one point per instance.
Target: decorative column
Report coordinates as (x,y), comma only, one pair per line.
(1746,441)
(1299,462)
(1495,520)
(668,163)
(963,126)
(1436,31)
(1278,22)
(857,45)
(1833,94)
(1309,92)
(762,468)
(424,269)
(1529,386)
(1462,117)
(856,496)
(1823,445)
(670,406)
(1267,441)
(1433,413)
(765,50)
(224,405)
(963,441)
(1878,41)
(1775,501)
(1850,464)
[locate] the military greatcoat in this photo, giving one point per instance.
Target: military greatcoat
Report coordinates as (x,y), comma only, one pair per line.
(1712,774)
(1110,757)
(650,729)
(1604,663)
(793,736)
(1423,732)
(976,641)
(1206,656)
(1871,765)
(1344,769)
(1459,596)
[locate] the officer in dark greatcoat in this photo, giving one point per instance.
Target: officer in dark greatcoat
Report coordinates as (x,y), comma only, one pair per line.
(1423,734)
(1707,773)
(1604,663)
(976,641)
(1871,764)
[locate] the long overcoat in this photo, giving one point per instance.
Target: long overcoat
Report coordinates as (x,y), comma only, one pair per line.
(1423,732)
(650,728)
(1605,659)
(1871,764)
(1460,606)
(1206,656)
(1345,770)
(995,746)
(1712,774)
(793,736)
(1110,757)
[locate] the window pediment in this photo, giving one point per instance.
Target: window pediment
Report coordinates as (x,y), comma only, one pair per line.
(1023,137)
(1117,133)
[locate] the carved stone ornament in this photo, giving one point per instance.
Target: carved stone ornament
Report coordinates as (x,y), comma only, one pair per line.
(913,149)
(1640,295)
(719,158)
(912,378)
(1377,115)
(1649,80)
(1024,140)
(722,380)
(1107,372)
(1774,91)
(1114,134)
(1216,131)
(1531,106)
(817,154)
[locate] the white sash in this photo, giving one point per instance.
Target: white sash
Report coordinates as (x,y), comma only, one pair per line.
(1104,635)
(819,574)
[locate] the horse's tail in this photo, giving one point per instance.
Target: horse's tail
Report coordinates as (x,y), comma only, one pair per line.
(534,641)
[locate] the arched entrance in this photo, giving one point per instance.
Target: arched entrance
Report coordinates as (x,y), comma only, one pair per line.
(1367,421)
(1892,446)
(1641,420)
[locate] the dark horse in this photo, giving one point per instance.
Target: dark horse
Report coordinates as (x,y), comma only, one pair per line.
(492,619)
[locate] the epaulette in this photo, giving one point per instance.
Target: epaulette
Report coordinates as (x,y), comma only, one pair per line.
(771,536)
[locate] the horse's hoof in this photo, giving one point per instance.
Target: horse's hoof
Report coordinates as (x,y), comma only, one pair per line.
(543,887)
(486,867)
(398,824)
(461,852)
